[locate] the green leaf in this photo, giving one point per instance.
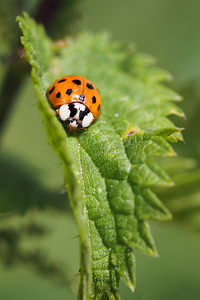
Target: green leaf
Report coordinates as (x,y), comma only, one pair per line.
(183,199)
(110,168)
(191,92)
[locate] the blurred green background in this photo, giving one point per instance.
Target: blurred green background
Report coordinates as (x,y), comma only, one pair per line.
(39,247)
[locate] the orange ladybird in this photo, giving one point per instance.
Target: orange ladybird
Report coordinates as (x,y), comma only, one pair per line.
(76,99)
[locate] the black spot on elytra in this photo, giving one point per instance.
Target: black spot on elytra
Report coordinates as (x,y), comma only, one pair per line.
(76,81)
(83,113)
(72,109)
(58,95)
(90,86)
(51,90)
(69,91)
(62,80)
(93,99)
(99,107)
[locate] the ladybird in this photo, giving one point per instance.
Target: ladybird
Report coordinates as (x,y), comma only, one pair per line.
(76,100)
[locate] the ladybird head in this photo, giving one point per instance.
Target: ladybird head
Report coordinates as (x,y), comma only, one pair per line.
(75,115)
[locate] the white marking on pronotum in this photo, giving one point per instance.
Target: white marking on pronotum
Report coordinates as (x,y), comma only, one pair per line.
(79,106)
(64,112)
(87,120)
(73,124)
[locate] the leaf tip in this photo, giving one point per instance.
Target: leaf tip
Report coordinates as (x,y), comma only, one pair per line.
(131,287)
